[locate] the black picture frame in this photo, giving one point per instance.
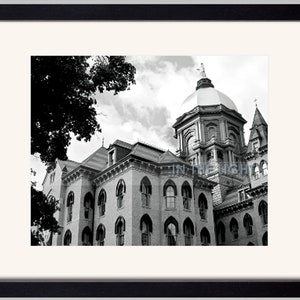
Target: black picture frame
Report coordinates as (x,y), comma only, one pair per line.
(146,288)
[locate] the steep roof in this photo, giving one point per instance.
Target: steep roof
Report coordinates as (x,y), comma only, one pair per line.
(96,160)
(67,165)
(258,119)
(259,130)
(169,157)
(146,152)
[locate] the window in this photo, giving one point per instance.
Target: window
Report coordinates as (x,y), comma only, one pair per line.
(205,237)
(119,231)
(171,231)
(70,202)
(234,228)
(146,229)
(120,191)
(263,212)
(264,168)
(68,238)
(211,132)
(88,205)
(86,237)
(255,146)
(248,223)
(100,235)
(52,177)
(186,192)
(220,155)
(265,239)
(202,203)
(111,158)
(255,171)
(170,192)
(188,230)
(101,202)
(220,233)
(190,144)
(146,191)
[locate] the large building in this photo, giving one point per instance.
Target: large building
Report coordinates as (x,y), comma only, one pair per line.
(213,191)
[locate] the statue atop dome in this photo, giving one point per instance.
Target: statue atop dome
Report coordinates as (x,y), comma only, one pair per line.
(202,71)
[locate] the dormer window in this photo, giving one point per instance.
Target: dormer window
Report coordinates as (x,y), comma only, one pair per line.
(111,158)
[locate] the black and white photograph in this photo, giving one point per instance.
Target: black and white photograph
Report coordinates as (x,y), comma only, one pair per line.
(149,150)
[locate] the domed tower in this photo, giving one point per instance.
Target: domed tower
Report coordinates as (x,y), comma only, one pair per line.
(210,135)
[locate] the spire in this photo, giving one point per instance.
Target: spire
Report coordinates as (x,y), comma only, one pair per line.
(204,82)
(258,119)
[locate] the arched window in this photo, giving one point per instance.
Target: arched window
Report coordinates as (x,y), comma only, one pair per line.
(88,205)
(120,191)
(234,228)
(220,155)
(146,191)
(255,171)
(119,231)
(68,238)
(263,212)
(211,132)
(220,233)
(234,141)
(205,237)
(186,193)
(202,203)
(101,202)
(248,223)
(100,235)
(146,229)
(70,202)
(265,239)
(264,167)
(86,236)
(170,192)
(171,231)
(188,230)
(190,144)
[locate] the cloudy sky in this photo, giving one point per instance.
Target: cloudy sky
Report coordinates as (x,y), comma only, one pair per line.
(148,110)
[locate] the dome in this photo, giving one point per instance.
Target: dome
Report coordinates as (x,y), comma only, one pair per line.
(205,95)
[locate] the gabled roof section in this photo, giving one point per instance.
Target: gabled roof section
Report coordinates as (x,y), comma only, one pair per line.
(67,165)
(169,157)
(96,160)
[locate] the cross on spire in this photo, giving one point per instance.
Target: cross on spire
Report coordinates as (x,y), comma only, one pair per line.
(202,71)
(255,101)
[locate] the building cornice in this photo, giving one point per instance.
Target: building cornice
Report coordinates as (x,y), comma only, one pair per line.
(233,208)
(77,173)
(258,191)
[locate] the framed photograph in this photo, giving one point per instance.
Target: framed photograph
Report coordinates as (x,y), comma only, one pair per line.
(147,126)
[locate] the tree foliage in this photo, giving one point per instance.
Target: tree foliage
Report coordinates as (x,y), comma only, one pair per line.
(42,216)
(62,97)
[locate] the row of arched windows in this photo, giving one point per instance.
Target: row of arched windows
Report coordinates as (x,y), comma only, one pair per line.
(259,170)
(171,231)
(169,192)
(247,224)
